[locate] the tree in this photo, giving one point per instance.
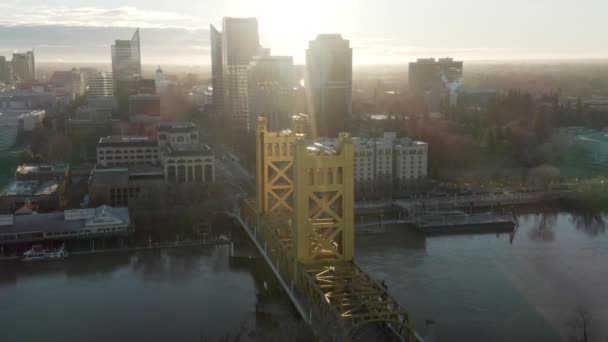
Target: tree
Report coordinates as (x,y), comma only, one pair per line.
(491,141)
(24,156)
(541,126)
(543,175)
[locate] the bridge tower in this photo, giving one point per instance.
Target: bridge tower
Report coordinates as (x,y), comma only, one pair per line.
(274,166)
(324,202)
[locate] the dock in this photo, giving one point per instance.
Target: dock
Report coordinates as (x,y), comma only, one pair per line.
(464,223)
(221,240)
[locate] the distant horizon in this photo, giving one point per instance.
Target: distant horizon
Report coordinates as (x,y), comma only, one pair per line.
(385,32)
(547,61)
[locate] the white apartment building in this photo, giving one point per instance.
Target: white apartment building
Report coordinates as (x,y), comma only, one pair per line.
(387,161)
(383,149)
(411,160)
(364,161)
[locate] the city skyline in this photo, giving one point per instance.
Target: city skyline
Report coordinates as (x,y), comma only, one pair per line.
(390,32)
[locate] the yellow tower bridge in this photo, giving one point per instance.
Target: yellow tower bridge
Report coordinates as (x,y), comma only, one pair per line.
(302,222)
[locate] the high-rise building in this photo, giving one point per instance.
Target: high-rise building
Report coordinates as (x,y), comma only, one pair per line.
(101,100)
(216,71)
(329,61)
(144,106)
(271,83)
(5,71)
(436,81)
(126,58)
(240,43)
(68,84)
(101,85)
(24,66)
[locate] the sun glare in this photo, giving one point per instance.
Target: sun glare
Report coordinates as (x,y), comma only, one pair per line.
(289,25)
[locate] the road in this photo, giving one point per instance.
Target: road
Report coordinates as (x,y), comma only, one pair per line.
(237,181)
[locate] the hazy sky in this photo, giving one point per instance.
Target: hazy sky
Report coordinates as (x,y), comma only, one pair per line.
(380,31)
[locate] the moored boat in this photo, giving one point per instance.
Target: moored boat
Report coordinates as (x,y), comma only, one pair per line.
(38,253)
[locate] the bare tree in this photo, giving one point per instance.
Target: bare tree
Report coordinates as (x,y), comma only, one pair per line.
(580,325)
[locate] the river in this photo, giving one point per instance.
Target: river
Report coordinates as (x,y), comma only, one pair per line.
(529,287)
(489,288)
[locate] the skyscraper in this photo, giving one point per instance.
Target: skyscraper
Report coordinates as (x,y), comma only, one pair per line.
(329,61)
(5,71)
(217,81)
(101,85)
(271,83)
(24,66)
(126,58)
(240,42)
(433,80)
(101,100)
(67,85)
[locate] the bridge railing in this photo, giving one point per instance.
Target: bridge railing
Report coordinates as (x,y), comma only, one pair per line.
(279,265)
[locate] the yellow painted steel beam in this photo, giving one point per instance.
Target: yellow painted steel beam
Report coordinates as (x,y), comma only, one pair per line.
(304,211)
(323,198)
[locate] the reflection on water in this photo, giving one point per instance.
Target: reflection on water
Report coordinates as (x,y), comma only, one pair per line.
(482,288)
(591,223)
(542,228)
(174,295)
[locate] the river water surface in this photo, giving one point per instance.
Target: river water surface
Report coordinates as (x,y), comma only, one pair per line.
(527,287)
(489,288)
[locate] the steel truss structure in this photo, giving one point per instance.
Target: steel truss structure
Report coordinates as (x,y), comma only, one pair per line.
(305,215)
(355,298)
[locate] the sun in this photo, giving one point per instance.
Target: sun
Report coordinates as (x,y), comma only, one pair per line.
(287,25)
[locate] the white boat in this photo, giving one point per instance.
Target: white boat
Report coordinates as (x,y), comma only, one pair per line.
(38,253)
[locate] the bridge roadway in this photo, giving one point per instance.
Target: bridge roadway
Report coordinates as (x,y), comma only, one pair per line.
(338,300)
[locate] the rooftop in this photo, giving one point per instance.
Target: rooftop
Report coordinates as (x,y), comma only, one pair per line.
(41,168)
(390,138)
(114,176)
(176,127)
(30,188)
(70,220)
(125,141)
(318,148)
(189,150)
(13,115)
